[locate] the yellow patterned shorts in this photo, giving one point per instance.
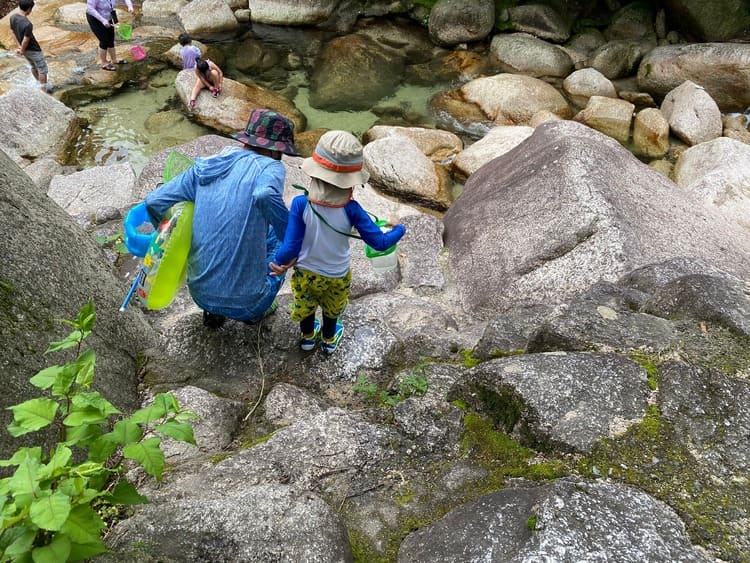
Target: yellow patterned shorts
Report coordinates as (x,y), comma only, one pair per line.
(311,289)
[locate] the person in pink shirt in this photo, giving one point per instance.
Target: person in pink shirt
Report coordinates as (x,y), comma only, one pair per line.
(101,16)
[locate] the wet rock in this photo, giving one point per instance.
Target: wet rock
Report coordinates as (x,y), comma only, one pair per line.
(379,71)
(511,99)
(525,54)
(459,21)
(229,112)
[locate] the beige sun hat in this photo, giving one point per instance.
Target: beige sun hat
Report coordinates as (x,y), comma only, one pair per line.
(337,160)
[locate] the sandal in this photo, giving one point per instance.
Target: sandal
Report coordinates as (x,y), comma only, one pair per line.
(109,66)
(191,104)
(122,62)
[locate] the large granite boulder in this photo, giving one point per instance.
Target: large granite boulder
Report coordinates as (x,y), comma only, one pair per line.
(719,20)
(50,269)
(718,172)
(565,521)
(719,67)
(377,68)
(33,123)
(229,112)
(570,207)
(460,21)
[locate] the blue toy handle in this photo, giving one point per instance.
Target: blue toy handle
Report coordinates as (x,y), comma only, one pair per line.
(129,296)
(136,242)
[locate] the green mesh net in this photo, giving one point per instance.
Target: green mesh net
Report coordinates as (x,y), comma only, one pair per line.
(176,164)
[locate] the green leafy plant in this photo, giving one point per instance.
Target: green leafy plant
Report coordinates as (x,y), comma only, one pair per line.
(414,384)
(52,504)
(116,241)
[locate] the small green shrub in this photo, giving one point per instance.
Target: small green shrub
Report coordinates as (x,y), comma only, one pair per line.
(115,241)
(53,503)
(415,384)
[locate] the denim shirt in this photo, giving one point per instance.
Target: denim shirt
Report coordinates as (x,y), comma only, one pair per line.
(238,196)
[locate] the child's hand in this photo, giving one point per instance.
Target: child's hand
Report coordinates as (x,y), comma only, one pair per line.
(278,270)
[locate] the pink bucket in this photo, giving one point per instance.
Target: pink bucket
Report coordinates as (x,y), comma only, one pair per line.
(138,53)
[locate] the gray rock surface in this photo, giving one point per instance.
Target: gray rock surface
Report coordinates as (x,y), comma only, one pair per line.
(569,219)
(568,399)
(718,172)
(50,269)
(260,523)
(460,21)
(715,66)
(566,521)
(88,190)
(33,123)
(702,297)
(525,54)
(712,410)
(692,114)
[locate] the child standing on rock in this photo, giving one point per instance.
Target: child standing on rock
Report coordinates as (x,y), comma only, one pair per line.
(317,238)
(28,46)
(209,76)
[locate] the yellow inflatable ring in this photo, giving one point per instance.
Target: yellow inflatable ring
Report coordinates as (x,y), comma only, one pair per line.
(165,263)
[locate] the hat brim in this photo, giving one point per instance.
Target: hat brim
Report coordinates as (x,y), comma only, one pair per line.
(263,143)
(341,180)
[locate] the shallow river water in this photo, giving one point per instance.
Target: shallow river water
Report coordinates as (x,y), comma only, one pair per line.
(148,116)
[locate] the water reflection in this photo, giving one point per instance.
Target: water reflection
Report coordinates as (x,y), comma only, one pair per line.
(131,126)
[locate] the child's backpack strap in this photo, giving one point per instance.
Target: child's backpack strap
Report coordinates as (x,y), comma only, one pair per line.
(319,216)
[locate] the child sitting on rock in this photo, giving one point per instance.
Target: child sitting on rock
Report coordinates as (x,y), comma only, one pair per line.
(209,76)
(317,238)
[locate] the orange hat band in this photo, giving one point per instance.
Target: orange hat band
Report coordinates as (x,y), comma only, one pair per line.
(325,163)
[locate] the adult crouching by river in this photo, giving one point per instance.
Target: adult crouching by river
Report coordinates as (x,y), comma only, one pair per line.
(101,16)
